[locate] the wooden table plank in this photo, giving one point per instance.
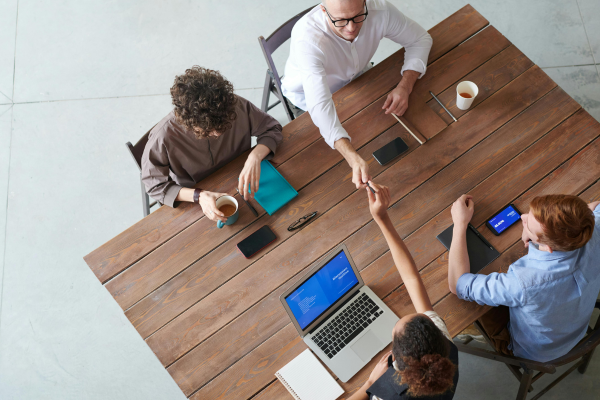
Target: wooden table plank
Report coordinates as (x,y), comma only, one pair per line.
(164,263)
(216,268)
(500,70)
(403,177)
(485,159)
(142,238)
(435,274)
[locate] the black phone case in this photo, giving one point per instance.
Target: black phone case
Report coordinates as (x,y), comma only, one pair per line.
(377,154)
(249,237)
(492,229)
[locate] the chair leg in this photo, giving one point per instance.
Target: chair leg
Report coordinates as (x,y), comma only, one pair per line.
(266,93)
(145,200)
(525,384)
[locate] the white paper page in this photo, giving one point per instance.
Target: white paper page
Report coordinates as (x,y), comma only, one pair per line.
(309,379)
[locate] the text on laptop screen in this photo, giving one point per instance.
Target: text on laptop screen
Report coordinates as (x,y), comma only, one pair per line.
(321,290)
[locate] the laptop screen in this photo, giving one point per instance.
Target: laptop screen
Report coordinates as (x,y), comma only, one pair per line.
(322,290)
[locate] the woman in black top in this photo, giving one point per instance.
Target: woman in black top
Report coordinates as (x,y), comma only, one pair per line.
(423,362)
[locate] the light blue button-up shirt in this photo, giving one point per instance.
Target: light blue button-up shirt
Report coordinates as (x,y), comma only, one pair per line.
(551,297)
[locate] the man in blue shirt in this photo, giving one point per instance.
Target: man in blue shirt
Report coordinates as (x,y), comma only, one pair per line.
(551,292)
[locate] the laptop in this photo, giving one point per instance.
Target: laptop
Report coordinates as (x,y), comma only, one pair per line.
(340,319)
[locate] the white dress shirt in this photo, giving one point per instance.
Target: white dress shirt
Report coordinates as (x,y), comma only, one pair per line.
(321,62)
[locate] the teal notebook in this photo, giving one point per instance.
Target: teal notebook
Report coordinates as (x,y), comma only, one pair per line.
(273,191)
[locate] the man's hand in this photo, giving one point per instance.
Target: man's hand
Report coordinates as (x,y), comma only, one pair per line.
(208,202)
(397,100)
(249,177)
(360,168)
(360,172)
(379,369)
(378,202)
(462,211)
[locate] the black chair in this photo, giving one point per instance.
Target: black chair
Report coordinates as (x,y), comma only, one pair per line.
(582,352)
(136,152)
(272,79)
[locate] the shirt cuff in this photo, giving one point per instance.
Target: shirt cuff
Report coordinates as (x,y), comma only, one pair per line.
(463,286)
(415,64)
(337,135)
(270,143)
(171,195)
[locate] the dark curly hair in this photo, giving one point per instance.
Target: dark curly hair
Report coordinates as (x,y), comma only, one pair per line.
(204,101)
(421,352)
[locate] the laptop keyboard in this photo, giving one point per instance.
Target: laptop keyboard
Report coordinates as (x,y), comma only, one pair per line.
(348,324)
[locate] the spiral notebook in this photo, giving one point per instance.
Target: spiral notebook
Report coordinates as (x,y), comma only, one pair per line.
(307,379)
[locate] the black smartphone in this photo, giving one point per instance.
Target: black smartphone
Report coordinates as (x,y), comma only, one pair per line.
(256,242)
(504,219)
(390,151)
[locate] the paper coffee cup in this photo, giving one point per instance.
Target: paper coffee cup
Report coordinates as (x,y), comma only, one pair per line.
(465,94)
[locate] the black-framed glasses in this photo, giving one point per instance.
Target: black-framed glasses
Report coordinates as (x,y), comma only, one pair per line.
(302,221)
(339,23)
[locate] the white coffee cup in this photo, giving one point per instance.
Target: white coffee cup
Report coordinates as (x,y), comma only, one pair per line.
(465,94)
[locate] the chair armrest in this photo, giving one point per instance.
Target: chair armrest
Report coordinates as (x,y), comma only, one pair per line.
(511,360)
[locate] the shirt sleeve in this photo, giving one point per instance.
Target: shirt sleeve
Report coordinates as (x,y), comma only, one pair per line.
(597,214)
(412,36)
(439,322)
(495,289)
(155,174)
(319,101)
(266,129)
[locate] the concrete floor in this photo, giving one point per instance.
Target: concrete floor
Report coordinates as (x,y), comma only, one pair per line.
(80,78)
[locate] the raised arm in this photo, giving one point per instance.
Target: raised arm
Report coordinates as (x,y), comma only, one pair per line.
(378,205)
(458,262)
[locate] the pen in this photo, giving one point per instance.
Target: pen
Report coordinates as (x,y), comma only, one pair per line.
(248,204)
(369,186)
(448,111)
(481,236)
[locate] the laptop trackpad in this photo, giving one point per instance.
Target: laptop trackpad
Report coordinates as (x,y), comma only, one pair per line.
(367,346)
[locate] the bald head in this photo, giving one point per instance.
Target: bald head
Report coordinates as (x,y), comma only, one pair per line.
(344,9)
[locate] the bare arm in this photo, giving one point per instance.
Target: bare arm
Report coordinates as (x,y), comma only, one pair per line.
(458,262)
(378,204)
(397,100)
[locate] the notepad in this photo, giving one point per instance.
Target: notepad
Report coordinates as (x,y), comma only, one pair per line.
(273,191)
(480,251)
(306,379)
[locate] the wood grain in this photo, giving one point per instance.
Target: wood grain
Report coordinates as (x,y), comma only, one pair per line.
(216,268)
(145,236)
(435,274)
(200,321)
(489,78)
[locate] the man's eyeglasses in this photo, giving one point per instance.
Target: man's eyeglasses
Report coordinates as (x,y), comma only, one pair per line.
(302,221)
(339,23)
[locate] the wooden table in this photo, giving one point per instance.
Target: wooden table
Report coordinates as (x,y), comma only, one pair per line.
(214,318)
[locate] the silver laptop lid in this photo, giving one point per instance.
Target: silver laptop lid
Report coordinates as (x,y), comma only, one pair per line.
(321,290)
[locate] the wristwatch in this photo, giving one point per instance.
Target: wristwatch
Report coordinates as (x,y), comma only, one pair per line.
(197,195)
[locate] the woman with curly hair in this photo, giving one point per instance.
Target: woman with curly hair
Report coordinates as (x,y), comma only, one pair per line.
(423,362)
(208,128)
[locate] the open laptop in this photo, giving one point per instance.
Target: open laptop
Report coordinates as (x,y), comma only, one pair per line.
(342,321)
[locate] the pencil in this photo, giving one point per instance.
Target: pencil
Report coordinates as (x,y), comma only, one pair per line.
(406,127)
(248,204)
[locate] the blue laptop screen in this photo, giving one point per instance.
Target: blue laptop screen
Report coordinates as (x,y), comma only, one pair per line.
(321,290)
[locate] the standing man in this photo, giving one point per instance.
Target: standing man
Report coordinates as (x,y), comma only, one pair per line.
(208,128)
(332,45)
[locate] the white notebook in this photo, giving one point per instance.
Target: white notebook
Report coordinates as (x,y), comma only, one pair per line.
(307,379)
